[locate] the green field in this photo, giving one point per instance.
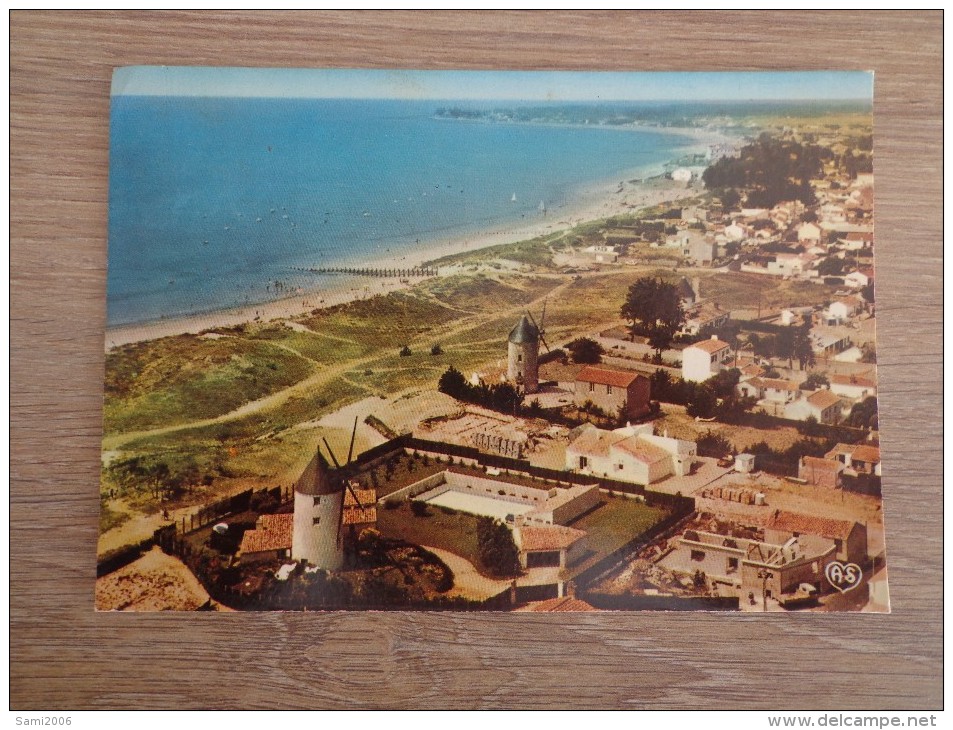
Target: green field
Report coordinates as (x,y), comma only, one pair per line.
(455,532)
(618,521)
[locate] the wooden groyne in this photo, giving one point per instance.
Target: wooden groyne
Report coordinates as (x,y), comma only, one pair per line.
(415,272)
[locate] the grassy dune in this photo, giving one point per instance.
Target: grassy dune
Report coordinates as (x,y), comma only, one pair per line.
(178,379)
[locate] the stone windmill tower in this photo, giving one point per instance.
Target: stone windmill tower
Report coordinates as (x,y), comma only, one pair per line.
(523,355)
(319,511)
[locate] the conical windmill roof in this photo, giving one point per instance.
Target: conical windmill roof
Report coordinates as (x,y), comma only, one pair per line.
(315,479)
(525,331)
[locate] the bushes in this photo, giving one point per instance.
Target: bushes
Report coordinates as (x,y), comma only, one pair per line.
(501,397)
(418,508)
(584,350)
(498,552)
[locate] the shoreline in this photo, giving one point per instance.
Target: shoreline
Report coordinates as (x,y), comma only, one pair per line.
(597,200)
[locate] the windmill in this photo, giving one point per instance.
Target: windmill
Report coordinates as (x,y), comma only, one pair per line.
(345,481)
(523,352)
(319,509)
(541,325)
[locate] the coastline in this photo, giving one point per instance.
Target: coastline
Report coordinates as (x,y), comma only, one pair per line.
(596,201)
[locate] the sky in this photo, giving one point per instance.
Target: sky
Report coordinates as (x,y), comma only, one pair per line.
(495,85)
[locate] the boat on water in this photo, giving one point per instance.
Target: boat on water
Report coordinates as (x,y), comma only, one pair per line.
(513,199)
(542,207)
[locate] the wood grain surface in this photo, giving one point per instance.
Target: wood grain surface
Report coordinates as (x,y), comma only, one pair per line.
(66,656)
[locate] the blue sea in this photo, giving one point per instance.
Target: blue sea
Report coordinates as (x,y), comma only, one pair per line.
(214,200)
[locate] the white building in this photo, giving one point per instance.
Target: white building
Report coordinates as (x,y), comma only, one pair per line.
(821,405)
(842,309)
(704,359)
(809,232)
(631,454)
(858,279)
(855,387)
(602,254)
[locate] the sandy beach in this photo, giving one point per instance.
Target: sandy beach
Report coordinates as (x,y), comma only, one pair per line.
(601,200)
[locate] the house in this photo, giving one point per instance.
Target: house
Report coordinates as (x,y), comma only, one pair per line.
(700,250)
(790,264)
(785,212)
(707,315)
(808,233)
(850,538)
(821,405)
(270,540)
(602,254)
(736,232)
(360,509)
(773,568)
(842,309)
(705,359)
(855,387)
(856,240)
(776,390)
(827,342)
(820,472)
(614,391)
(860,278)
(631,454)
(856,458)
(554,546)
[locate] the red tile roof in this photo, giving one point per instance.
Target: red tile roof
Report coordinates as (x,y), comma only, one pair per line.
(642,450)
(823,399)
(618,378)
(811,525)
(552,537)
(863,380)
(273,532)
(358,516)
(869,454)
(775,384)
(559,605)
(711,346)
(752,369)
(365,497)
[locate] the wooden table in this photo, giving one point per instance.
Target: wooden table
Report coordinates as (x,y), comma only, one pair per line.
(66,656)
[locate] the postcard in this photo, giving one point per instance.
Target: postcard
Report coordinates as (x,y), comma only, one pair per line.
(491,341)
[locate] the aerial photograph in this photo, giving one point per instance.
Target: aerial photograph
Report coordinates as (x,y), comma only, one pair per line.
(490,341)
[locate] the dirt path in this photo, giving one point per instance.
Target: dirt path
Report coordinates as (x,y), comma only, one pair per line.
(467,581)
(322,377)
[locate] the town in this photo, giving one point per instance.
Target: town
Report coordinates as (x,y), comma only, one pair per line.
(673,408)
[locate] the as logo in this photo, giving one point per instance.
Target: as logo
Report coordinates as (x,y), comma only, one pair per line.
(843,576)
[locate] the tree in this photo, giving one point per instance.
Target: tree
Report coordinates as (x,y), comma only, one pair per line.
(585,351)
(864,414)
(803,349)
(405,351)
(654,310)
(498,552)
(831,266)
(815,381)
(436,350)
(453,383)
